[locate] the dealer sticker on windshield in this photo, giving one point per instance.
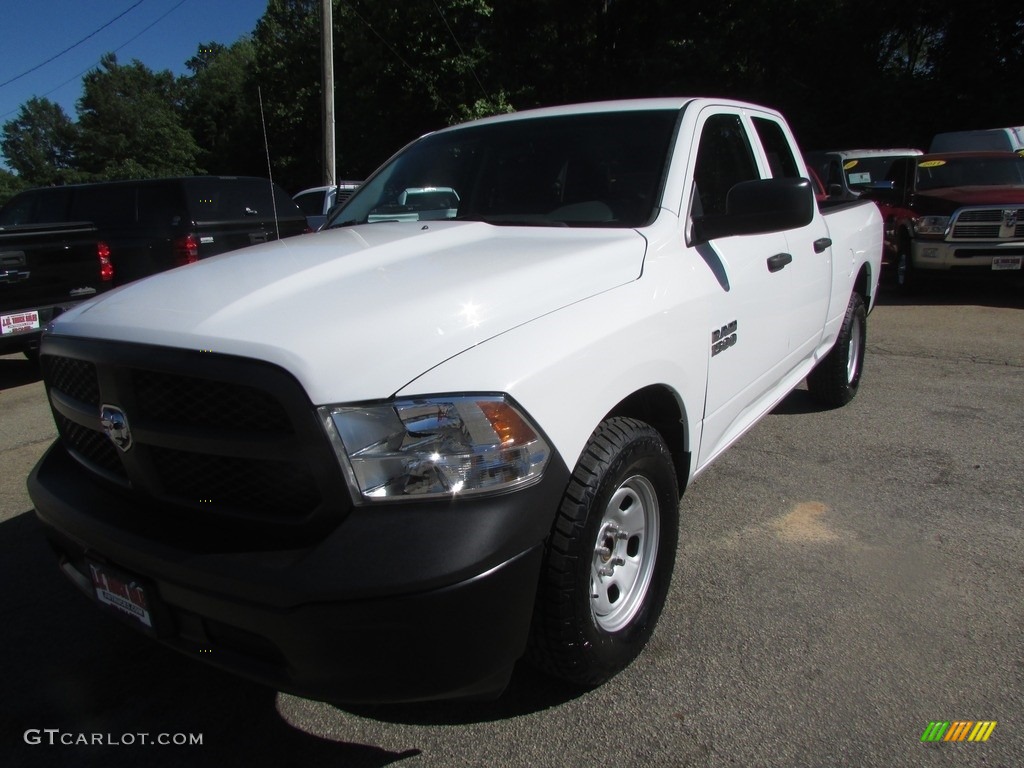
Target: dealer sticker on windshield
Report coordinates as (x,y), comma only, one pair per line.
(22,321)
(1006,262)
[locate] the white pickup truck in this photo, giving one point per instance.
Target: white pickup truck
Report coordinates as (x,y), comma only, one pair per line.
(385,461)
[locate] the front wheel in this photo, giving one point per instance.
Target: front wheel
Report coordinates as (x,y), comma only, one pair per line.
(836,378)
(906,275)
(609,558)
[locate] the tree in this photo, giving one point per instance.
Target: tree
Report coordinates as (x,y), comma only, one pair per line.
(221,110)
(40,143)
(10,185)
(399,72)
(130,123)
(287,77)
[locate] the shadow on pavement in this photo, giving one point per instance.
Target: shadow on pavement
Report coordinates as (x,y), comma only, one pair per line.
(960,291)
(67,666)
(16,371)
(528,692)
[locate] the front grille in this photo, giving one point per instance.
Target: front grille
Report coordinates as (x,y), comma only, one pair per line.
(988,224)
(186,400)
(274,489)
(212,436)
(92,448)
(75,378)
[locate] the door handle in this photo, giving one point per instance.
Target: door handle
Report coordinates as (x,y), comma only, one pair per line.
(822,244)
(778,261)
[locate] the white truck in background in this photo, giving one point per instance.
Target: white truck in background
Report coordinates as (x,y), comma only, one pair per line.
(384,461)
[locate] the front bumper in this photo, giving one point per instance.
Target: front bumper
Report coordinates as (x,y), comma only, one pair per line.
(965,257)
(408,602)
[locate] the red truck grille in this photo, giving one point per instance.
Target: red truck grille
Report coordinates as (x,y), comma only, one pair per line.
(988,224)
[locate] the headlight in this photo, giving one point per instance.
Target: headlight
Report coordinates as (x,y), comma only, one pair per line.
(435,447)
(933,226)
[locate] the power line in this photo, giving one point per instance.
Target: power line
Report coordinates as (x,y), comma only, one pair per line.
(125,44)
(71,47)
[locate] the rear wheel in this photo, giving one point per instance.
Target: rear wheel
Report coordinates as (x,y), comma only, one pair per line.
(836,378)
(609,558)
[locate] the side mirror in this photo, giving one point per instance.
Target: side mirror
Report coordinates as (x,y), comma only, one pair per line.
(760,206)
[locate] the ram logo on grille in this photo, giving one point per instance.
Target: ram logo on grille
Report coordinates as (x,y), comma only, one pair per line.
(1010,218)
(115,426)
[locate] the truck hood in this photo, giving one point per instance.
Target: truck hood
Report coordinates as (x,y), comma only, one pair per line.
(948,199)
(357,313)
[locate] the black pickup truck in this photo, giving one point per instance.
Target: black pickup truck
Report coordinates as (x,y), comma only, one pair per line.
(62,245)
(45,270)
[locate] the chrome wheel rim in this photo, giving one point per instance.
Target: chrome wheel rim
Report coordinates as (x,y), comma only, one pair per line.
(853,353)
(625,553)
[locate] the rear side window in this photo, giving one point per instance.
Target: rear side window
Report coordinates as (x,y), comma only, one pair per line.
(776,146)
(160,205)
(38,206)
(105,206)
(213,199)
(18,211)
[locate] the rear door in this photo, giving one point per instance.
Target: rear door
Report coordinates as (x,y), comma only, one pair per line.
(810,271)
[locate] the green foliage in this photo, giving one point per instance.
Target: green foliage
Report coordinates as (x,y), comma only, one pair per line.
(286,76)
(10,185)
(845,72)
(130,126)
(498,105)
(40,143)
(220,109)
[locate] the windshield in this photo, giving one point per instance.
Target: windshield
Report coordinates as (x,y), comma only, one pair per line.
(862,171)
(595,170)
(976,171)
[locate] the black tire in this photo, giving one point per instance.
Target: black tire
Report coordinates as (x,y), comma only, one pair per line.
(608,561)
(836,378)
(906,275)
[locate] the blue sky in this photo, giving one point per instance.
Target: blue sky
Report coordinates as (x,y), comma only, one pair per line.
(162,34)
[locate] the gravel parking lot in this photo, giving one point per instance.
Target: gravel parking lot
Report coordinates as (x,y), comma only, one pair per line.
(844,578)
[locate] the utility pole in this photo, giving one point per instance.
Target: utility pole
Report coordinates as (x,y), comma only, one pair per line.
(327,48)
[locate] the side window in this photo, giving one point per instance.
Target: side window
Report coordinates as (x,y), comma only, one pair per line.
(900,172)
(51,206)
(159,205)
(105,206)
(835,173)
(724,159)
(776,146)
(18,211)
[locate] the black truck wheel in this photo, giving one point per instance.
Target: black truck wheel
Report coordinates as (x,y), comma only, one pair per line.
(836,378)
(609,558)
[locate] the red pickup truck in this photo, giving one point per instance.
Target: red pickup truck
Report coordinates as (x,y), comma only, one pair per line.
(953,214)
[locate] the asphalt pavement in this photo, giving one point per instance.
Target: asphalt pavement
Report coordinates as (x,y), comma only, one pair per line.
(845,578)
